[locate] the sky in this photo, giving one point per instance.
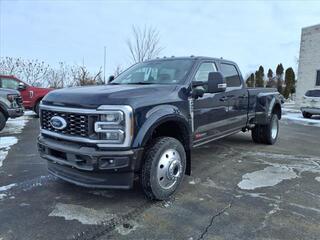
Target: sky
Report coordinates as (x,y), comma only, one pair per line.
(251,33)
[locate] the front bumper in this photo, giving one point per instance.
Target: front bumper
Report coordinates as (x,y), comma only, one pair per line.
(15,112)
(88,166)
(315,111)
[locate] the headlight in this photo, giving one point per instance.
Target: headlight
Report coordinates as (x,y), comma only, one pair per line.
(114,125)
(11,97)
(114,117)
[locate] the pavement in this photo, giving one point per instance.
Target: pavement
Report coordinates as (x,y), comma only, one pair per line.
(238,190)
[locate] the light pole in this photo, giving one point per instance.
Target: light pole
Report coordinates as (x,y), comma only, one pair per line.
(104,64)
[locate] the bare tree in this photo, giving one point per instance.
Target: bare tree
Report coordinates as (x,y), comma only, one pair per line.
(117,71)
(31,71)
(144,44)
(60,77)
(82,77)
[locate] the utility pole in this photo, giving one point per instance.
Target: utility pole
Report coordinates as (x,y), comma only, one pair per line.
(104,64)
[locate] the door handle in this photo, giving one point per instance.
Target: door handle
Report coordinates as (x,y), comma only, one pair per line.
(223,99)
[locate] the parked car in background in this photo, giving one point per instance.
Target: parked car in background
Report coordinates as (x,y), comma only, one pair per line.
(311,103)
(31,96)
(148,119)
(10,105)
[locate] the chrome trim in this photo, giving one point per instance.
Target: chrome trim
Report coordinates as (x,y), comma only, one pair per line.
(191,112)
(127,110)
(222,85)
(62,120)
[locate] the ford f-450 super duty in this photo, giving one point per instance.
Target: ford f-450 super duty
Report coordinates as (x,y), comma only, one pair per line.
(146,121)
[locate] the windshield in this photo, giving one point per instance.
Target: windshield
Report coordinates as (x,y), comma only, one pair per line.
(156,72)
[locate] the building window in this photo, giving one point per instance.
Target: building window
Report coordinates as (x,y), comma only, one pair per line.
(318,79)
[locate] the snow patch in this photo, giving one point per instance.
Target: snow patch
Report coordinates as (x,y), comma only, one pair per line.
(128,227)
(29,113)
(296,117)
(7,187)
(15,125)
(81,214)
(268,177)
(317,179)
(281,167)
(5,145)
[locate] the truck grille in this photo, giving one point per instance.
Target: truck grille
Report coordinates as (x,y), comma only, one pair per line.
(78,125)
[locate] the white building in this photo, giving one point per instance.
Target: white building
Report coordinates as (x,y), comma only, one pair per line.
(309,61)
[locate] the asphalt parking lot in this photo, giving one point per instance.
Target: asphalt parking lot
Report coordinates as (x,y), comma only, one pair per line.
(238,190)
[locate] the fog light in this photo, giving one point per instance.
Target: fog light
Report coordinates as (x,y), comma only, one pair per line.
(113,136)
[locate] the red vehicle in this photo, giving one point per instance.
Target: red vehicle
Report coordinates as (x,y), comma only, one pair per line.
(31,96)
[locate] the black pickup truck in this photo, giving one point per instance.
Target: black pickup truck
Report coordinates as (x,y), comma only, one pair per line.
(146,121)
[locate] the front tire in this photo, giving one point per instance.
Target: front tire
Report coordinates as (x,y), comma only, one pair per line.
(3,121)
(163,168)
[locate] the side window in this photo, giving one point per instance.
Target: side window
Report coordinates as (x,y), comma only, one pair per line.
(231,74)
(203,72)
(9,83)
(318,78)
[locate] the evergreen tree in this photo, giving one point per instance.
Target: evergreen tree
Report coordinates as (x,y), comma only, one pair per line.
(279,74)
(271,82)
(270,74)
(250,80)
(290,83)
(260,77)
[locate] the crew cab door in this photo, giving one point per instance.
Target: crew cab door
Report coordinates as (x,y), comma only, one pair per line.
(237,96)
(211,110)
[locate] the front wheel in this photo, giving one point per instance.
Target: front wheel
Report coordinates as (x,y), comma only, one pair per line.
(163,168)
(3,120)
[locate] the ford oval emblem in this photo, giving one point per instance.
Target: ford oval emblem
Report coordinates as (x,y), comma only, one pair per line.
(58,123)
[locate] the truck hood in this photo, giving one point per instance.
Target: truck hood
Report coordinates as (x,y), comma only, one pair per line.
(94,96)
(9,91)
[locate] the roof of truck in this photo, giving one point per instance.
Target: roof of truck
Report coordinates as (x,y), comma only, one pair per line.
(190,57)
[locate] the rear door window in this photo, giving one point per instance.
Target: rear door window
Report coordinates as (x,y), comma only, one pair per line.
(318,78)
(231,75)
(313,93)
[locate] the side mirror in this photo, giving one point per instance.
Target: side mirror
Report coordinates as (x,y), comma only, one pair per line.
(111,78)
(21,86)
(216,82)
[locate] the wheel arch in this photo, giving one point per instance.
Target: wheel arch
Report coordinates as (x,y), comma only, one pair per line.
(4,111)
(166,123)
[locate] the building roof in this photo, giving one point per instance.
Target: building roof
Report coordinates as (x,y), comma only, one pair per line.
(311,28)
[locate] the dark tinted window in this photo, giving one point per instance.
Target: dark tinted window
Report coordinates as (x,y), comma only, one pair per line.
(313,93)
(318,78)
(231,74)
